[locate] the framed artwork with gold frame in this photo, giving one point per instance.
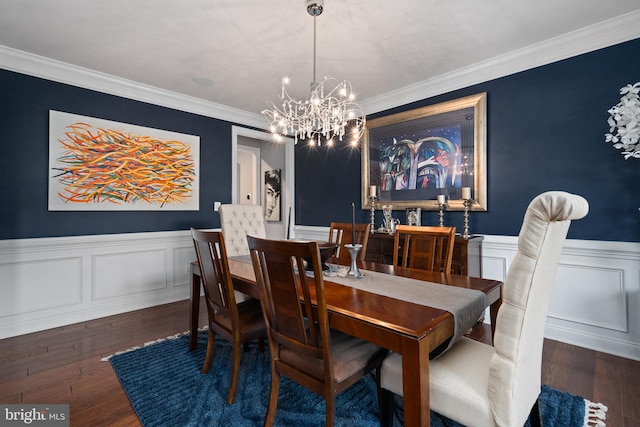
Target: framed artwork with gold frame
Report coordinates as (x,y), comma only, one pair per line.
(414,156)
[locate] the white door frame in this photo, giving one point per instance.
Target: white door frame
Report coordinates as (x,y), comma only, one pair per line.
(256,169)
(288,189)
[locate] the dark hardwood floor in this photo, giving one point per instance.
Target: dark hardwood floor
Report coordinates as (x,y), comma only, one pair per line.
(63,365)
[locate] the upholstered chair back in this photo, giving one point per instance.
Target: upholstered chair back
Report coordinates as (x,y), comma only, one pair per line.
(514,378)
(238,222)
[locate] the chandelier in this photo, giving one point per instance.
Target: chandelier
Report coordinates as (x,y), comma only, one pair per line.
(328,112)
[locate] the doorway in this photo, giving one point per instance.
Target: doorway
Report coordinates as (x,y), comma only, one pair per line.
(248,173)
(247,145)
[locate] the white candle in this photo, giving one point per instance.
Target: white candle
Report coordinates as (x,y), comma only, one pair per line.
(441,199)
(466,193)
(373,191)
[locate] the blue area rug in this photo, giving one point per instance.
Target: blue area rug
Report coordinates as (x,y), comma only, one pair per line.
(165,387)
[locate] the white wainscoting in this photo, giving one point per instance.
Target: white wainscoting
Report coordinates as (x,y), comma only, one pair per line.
(596,296)
(51,282)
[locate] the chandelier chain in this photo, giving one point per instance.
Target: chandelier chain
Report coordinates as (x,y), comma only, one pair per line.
(314,51)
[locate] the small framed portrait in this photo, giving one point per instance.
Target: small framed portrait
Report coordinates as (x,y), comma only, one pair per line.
(414,216)
(272,189)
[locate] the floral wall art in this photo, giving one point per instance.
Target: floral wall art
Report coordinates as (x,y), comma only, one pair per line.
(624,122)
(100,165)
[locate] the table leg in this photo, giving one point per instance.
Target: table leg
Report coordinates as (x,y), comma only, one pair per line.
(415,382)
(493,314)
(194,313)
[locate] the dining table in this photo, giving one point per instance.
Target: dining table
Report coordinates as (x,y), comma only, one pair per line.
(411,329)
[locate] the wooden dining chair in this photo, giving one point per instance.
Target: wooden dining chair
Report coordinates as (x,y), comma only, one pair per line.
(476,384)
(238,323)
(303,347)
(424,247)
(340,233)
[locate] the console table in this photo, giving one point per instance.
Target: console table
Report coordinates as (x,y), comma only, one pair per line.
(467,253)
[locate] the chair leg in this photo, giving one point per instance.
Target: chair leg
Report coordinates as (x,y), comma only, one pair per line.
(235,371)
(386,406)
(535,417)
(273,399)
(331,410)
(211,343)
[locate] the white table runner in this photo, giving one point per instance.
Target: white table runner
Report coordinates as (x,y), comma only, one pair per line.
(466,305)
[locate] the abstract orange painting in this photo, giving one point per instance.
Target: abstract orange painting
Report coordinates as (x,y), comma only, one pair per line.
(97,164)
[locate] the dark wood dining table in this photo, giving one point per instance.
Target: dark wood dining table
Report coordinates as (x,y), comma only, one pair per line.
(410,329)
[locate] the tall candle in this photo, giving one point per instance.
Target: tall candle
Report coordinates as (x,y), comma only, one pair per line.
(466,193)
(373,191)
(441,199)
(353,223)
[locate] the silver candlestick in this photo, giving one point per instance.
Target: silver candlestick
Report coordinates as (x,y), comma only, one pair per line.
(466,203)
(354,272)
(441,214)
(373,213)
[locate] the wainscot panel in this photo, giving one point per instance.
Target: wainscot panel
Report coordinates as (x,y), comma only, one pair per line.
(595,301)
(52,282)
(45,284)
(128,273)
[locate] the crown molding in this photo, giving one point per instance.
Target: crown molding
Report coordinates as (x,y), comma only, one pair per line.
(607,33)
(61,72)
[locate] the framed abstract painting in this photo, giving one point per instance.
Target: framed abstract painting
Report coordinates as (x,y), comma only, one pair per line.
(101,165)
(414,156)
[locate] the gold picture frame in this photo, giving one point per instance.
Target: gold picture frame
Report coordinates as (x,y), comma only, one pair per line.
(414,156)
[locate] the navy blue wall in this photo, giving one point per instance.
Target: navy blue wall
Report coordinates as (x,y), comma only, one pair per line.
(24,119)
(545,131)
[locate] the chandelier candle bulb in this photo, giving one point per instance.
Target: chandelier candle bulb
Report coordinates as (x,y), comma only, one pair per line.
(372,191)
(441,199)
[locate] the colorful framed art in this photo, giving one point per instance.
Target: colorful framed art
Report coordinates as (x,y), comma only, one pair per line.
(414,156)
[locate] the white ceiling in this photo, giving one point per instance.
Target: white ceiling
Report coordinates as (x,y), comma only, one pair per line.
(244,47)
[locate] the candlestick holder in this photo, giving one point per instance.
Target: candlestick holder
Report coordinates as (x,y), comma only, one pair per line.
(373,213)
(354,272)
(466,203)
(441,214)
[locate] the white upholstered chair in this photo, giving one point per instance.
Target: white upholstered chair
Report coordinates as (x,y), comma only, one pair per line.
(479,385)
(239,221)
